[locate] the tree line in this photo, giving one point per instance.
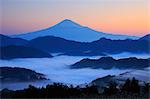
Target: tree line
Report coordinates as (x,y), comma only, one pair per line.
(130,89)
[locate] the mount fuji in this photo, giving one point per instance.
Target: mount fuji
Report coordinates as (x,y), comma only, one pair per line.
(70,30)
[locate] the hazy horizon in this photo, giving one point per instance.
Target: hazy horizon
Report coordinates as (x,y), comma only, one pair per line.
(110,16)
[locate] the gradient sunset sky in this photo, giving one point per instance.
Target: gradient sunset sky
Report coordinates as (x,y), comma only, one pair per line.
(129,17)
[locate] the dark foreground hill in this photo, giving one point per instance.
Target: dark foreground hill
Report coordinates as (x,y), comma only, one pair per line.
(9,74)
(11,52)
(109,63)
(129,90)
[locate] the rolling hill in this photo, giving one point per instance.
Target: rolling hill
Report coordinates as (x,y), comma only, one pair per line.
(109,63)
(11,52)
(7,41)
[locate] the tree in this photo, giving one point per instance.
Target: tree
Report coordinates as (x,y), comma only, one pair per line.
(111,89)
(126,87)
(146,88)
(131,86)
(135,87)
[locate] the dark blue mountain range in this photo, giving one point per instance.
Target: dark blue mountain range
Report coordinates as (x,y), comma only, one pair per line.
(6,41)
(103,46)
(109,63)
(100,47)
(11,52)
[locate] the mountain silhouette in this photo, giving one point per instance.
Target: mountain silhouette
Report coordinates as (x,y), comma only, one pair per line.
(146,38)
(11,52)
(102,47)
(16,74)
(109,63)
(117,46)
(56,44)
(70,30)
(6,41)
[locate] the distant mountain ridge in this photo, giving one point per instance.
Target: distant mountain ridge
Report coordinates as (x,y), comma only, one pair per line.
(70,30)
(11,52)
(109,63)
(101,47)
(7,41)
(146,37)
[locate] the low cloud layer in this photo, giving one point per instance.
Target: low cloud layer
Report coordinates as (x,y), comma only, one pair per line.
(57,69)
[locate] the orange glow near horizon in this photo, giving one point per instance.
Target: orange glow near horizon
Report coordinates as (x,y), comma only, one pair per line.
(129,17)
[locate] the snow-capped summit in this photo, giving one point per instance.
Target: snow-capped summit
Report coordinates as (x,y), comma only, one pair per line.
(71,30)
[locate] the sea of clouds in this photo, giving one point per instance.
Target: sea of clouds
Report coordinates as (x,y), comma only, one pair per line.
(57,69)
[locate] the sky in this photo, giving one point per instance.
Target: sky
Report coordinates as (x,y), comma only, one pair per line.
(130,17)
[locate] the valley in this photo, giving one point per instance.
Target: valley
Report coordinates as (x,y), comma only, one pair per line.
(57,69)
